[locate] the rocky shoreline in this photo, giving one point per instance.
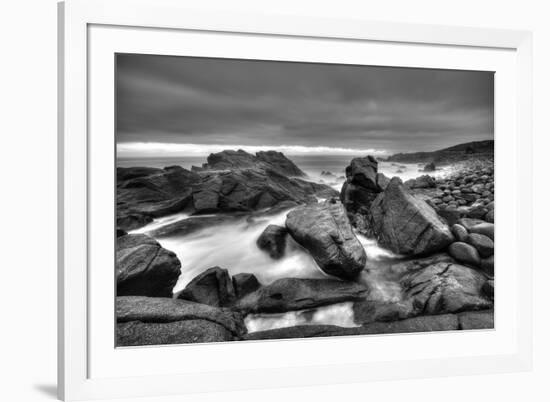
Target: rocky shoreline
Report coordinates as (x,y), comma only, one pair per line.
(441,231)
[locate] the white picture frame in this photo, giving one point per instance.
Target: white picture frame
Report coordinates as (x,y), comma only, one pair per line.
(87,366)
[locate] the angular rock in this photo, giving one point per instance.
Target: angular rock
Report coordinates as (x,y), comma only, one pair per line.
(290,294)
(273,241)
(362,172)
(460,232)
(136,333)
(407,225)
(324,230)
(244,284)
(483,244)
(382,181)
(445,288)
(465,253)
(213,287)
(276,160)
(144,268)
(140,322)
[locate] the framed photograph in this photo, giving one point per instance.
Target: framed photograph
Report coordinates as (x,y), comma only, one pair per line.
(253,201)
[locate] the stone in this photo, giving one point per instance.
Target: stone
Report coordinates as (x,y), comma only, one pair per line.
(430,167)
(488,289)
(290,294)
(484,228)
(469,223)
(490,216)
(476,320)
(465,253)
(324,230)
(144,268)
(362,172)
(407,225)
(244,284)
(488,265)
(273,241)
(213,287)
(460,232)
(140,319)
(382,181)
(445,288)
(483,244)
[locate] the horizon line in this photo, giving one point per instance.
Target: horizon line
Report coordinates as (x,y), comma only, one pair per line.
(143,149)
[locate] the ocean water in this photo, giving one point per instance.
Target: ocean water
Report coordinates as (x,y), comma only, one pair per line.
(233,246)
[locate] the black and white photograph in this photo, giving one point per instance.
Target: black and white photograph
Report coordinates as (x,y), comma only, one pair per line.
(260,200)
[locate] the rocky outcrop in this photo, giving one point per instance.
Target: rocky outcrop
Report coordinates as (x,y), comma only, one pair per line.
(461,152)
(156,320)
(290,294)
(324,230)
(213,287)
(445,288)
(407,225)
(263,160)
(144,268)
(362,185)
(273,241)
(252,183)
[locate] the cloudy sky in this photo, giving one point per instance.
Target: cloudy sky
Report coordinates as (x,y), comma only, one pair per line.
(192,106)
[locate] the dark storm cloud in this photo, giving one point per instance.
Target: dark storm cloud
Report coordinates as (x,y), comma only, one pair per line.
(215,101)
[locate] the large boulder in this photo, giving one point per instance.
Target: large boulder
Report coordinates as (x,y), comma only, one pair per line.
(273,241)
(290,294)
(324,230)
(424,181)
(144,268)
(157,320)
(445,288)
(213,287)
(407,225)
(430,167)
(362,172)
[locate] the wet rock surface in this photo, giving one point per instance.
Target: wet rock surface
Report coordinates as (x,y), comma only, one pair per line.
(407,225)
(324,230)
(273,241)
(144,268)
(153,320)
(297,294)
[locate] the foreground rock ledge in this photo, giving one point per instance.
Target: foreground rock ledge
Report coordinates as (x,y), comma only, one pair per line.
(430,323)
(144,268)
(407,225)
(291,294)
(156,320)
(324,230)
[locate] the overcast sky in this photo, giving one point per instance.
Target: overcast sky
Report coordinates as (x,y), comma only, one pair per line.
(205,104)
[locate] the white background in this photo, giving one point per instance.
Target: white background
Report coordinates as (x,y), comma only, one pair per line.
(28,199)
